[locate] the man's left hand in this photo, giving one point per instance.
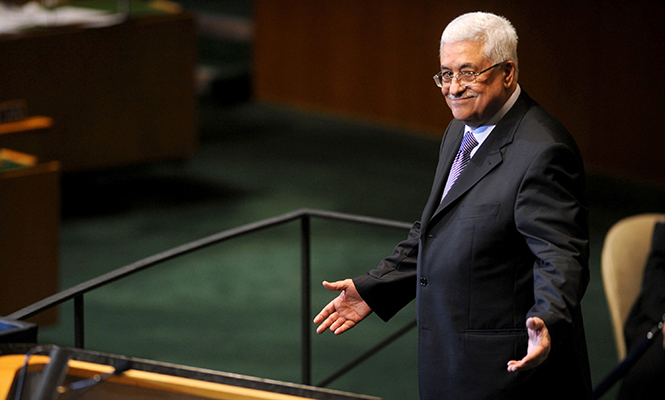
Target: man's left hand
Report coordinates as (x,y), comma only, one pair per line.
(538,349)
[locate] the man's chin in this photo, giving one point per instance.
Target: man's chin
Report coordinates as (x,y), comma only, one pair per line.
(464,117)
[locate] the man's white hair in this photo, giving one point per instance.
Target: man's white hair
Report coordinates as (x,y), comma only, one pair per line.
(496,33)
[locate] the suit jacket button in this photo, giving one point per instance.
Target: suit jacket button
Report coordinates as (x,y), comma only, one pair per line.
(423,281)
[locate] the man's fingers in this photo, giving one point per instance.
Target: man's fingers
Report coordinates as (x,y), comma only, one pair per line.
(337,324)
(521,364)
(514,365)
(524,363)
(535,324)
(342,327)
(325,312)
(337,286)
(322,328)
(325,321)
(328,315)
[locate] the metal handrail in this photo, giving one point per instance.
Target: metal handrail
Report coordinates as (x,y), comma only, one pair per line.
(304,215)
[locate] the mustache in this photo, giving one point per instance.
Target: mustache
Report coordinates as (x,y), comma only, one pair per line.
(459,96)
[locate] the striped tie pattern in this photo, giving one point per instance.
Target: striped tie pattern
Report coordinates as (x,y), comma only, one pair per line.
(461,159)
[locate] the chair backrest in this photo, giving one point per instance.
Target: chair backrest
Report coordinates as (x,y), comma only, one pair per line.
(623,258)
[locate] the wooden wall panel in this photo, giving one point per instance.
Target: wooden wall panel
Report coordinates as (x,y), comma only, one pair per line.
(594,64)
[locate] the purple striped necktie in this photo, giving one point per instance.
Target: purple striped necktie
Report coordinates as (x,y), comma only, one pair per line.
(461,159)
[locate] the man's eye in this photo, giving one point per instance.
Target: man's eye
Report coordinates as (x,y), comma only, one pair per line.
(447,74)
(467,73)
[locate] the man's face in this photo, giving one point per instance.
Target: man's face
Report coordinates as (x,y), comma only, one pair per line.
(478,102)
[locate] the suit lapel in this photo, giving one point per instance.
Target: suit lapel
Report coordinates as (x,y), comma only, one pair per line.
(488,157)
(451,142)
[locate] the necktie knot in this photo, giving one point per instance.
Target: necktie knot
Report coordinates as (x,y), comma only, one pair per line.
(468,143)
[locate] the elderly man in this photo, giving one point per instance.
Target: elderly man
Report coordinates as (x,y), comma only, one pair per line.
(498,263)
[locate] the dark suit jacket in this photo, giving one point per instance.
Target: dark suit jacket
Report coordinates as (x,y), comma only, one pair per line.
(509,241)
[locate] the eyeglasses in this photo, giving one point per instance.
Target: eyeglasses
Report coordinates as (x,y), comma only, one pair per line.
(465,78)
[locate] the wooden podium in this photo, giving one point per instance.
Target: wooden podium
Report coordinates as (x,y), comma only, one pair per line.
(142,379)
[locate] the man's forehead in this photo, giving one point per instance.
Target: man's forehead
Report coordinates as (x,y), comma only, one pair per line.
(462,54)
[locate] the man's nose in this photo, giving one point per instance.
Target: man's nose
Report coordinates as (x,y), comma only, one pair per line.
(456,87)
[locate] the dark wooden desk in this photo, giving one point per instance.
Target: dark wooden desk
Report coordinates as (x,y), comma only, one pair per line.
(29,236)
(118,95)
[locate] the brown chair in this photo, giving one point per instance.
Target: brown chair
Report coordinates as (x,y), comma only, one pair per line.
(623,258)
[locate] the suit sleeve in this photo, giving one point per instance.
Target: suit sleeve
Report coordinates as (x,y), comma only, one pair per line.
(551,213)
(392,285)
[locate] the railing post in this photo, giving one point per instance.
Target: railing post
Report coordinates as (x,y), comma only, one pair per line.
(79,325)
(306,325)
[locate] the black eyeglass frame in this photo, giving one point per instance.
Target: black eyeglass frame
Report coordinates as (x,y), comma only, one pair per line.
(466,75)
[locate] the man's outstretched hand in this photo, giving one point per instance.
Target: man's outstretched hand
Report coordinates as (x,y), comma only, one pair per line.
(539,347)
(344,311)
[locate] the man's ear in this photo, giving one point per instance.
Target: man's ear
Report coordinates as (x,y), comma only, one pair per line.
(509,70)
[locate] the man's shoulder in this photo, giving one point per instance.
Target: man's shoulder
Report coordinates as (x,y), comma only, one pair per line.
(538,123)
